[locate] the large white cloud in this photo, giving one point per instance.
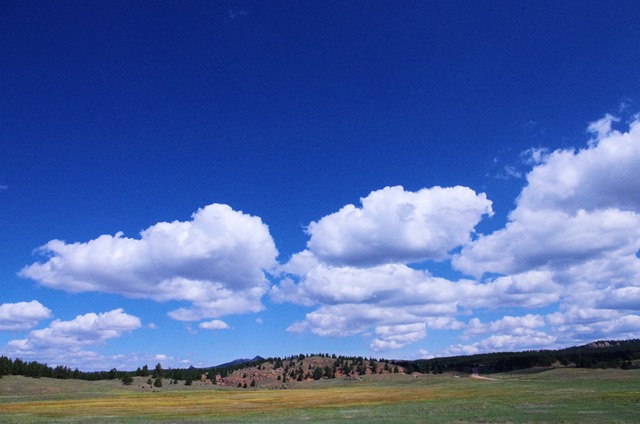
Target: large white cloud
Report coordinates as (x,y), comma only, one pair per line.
(84,330)
(398,336)
(216,262)
(603,175)
(22,316)
(576,322)
(578,221)
(398,226)
(354,300)
(552,238)
(577,206)
(67,342)
(354,268)
(529,339)
(571,244)
(506,325)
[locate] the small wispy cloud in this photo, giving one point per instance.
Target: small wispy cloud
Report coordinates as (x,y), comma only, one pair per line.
(233,14)
(526,160)
(625,105)
(534,155)
(216,324)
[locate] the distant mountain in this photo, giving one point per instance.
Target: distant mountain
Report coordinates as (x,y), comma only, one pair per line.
(240,361)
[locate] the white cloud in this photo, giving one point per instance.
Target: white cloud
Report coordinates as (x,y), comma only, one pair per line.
(576,323)
(397,336)
(397,226)
(68,339)
(215,324)
(529,339)
(573,240)
(216,262)
(602,127)
(506,325)
(354,300)
(577,206)
(578,222)
(535,155)
(509,333)
(553,239)
(602,176)
(571,244)
(624,298)
(22,316)
(341,320)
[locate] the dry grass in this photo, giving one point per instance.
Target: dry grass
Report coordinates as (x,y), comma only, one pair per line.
(554,396)
(218,402)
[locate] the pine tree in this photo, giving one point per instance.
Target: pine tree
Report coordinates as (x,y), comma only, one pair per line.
(158,372)
(317,373)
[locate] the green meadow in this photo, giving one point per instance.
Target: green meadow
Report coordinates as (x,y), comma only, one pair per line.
(568,395)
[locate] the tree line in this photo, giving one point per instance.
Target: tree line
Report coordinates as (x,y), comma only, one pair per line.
(291,365)
(601,354)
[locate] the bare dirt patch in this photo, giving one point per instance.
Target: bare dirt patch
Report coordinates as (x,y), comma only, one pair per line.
(481,377)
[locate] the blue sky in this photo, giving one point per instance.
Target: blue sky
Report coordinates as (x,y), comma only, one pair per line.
(193,182)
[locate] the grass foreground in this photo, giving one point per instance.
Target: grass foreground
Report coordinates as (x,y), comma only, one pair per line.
(553,396)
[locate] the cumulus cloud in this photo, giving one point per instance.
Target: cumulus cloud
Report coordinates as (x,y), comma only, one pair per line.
(602,176)
(354,269)
(552,238)
(509,333)
(572,242)
(398,226)
(84,330)
(397,336)
(355,296)
(506,325)
(22,316)
(215,324)
(576,322)
(530,339)
(577,221)
(578,206)
(354,300)
(216,262)
(571,245)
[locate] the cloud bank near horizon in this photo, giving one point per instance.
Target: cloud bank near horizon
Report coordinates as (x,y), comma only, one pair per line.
(567,260)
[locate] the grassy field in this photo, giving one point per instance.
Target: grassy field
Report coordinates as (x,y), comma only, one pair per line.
(561,395)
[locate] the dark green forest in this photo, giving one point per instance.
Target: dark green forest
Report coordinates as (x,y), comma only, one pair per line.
(600,354)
